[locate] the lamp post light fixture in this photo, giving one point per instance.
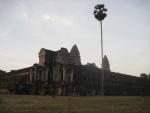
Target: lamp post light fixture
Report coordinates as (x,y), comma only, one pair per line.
(100,14)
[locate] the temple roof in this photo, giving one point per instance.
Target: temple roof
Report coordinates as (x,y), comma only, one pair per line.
(105,59)
(74,50)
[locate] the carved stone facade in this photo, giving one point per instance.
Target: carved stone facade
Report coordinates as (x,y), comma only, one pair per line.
(61,73)
(59,62)
(62,56)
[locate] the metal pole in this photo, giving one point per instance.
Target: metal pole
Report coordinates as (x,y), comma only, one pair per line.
(102,85)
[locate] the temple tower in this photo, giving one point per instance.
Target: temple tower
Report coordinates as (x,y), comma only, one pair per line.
(105,64)
(42,56)
(75,56)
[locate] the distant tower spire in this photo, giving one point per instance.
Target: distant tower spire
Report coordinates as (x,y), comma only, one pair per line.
(75,55)
(105,64)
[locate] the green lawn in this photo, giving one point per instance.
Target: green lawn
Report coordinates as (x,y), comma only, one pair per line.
(47,104)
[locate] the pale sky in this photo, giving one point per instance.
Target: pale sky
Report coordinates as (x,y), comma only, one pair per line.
(28,25)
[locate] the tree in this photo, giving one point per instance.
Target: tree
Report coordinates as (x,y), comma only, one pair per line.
(148,76)
(143,75)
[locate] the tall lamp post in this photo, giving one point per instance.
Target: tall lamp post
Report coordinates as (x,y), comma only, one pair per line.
(100,14)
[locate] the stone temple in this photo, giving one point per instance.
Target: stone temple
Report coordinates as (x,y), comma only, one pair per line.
(62,73)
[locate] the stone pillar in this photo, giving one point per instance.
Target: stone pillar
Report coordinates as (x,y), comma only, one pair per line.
(30,75)
(56,73)
(35,75)
(53,74)
(46,74)
(71,76)
(42,76)
(64,73)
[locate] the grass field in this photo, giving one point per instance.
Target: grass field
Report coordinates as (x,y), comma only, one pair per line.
(48,104)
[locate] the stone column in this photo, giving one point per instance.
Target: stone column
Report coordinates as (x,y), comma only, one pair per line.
(46,74)
(71,76)
(64,73)
(30,75)
(42,76)
(35,75)
(53,74)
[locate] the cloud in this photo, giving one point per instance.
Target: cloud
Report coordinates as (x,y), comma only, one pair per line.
(55,19)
